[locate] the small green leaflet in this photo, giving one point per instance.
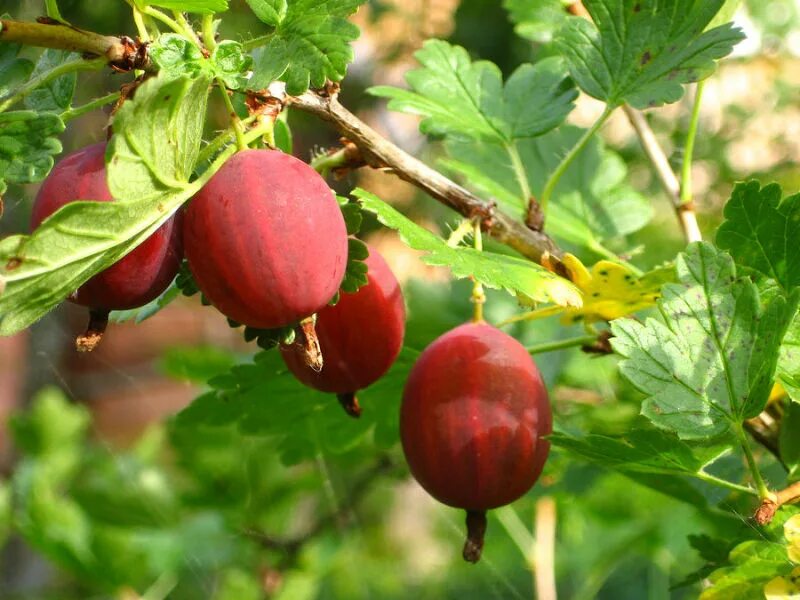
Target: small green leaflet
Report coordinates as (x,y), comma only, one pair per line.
(761,232)
(540,20)
(592,202)
(55,95)
(710,364)
(459,97)
(151,158)
(264,399)
(13,71)
(28,143)
(752,565)
(178,56)
(641,451)
(309,45)
(516,275)
(642,51)
(201,7)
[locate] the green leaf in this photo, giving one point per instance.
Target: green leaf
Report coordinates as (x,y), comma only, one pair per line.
(265,400)
(28,143)
(592,202)
(641,52)
(13,71)
(151,158)
(759,231)
(310,43)
(271,12)
(51,425)
(642,451)
(753,564)
(789,360)
(464,98)
(514,274)
(55,95)
(202,7)
(355,275)
(710,365)
(789,441)
(50,522)
(137,315)
(196,364)
(231,63)
(178,56)
(538,21)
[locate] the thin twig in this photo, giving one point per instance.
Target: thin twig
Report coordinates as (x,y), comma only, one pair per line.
(545,549)
(381,153)
(770,505)
(666,176)
(291,546)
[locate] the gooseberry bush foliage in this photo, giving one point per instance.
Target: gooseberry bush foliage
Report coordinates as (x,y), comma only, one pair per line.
(697,357)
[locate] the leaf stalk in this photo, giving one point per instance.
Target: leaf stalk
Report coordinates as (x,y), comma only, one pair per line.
(562,167)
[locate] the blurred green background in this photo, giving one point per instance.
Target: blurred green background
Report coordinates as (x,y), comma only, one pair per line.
(106,495)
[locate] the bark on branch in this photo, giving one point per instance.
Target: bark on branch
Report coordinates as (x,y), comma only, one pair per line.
(121,52)
(381,153)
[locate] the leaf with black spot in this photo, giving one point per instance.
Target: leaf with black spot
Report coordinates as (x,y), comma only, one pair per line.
(641,52)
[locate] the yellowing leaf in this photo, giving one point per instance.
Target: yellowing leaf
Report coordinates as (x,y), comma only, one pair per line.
(610,290)
(791,529)
(784,588)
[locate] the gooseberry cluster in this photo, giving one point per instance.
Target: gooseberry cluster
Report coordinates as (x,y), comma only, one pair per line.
(267,245)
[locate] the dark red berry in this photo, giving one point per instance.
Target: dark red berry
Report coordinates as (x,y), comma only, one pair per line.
(360,337)
(471,423)
(137,278)
(265,239)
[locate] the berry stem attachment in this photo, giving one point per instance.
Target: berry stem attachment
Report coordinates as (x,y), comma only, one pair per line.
(476,530)
(478,295)
(310,342)
(98,321)
(350,404)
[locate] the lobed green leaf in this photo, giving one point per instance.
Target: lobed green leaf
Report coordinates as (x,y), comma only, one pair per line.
(640,52)
(55,95)
(150,160)
(538,21)
(760,230)
(592,202)
(516,275)
(310,43)
(28,143)
(459,97)
(710,364)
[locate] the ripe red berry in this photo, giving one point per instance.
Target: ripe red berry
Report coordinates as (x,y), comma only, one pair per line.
(138,277)
(360,337)
(265,239)
(471,423)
